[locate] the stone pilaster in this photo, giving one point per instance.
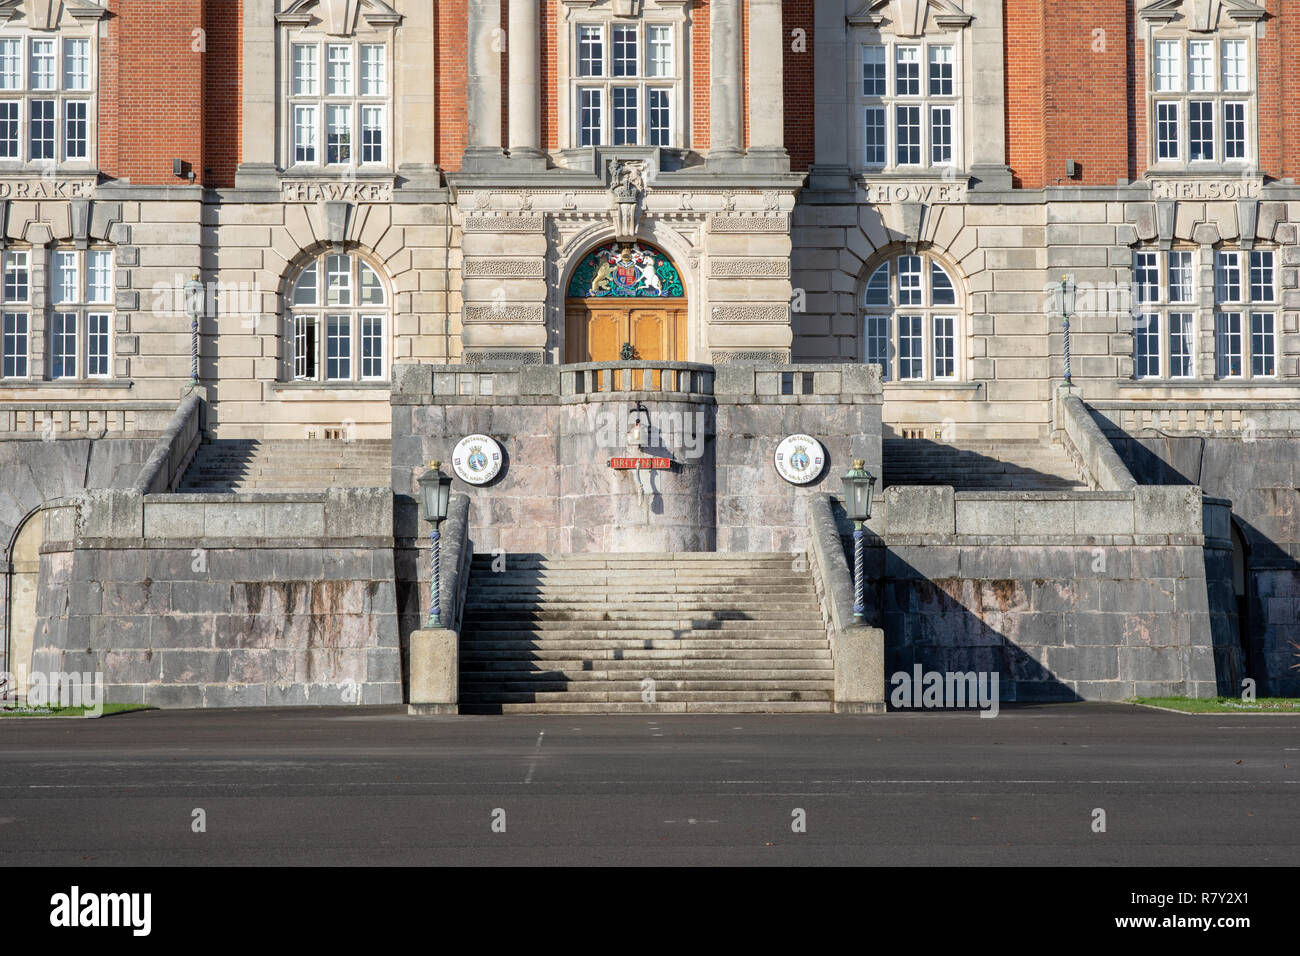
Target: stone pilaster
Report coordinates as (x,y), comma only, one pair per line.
(988,102)
(257,167)
(725,136)
(486,48)
(416,81)
(766,88)
(830,43)
(525,120)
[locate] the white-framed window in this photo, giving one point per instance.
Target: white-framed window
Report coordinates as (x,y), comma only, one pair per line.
(16,345)
(339,112)
(1164,318)
(1201,101)
(911,320)
(81,291)
(1247,303)
(47,98)
(339,321)
(909,104)
(626,88)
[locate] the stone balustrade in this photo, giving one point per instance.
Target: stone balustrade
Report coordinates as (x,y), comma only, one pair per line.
(83,419)
(1197,417)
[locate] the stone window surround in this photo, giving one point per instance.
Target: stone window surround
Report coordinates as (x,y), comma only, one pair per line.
(961,312)
(82,307)
(80,29)
(1182,31)
(878,32)
(320,311)
(40,308)
(294,27)
(575,13)
(1205,309)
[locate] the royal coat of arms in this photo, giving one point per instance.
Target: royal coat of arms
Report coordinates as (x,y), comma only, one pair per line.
(626,270)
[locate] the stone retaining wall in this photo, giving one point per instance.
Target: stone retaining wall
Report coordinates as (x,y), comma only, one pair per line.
(1093,595)
(223,600)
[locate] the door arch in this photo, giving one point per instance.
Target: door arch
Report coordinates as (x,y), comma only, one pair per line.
(20,623)
(625,293)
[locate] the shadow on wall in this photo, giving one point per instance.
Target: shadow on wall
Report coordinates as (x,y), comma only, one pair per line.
(1260,478)
(927,622)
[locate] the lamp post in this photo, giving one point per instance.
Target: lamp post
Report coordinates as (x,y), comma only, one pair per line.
(1068,293)
(194,302)
(435,496)
(859,489)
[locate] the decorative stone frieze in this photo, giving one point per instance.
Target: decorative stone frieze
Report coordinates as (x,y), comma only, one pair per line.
(532,267)
(749,268)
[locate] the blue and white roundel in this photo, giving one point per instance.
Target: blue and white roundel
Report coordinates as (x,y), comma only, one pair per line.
(476,460)
(800,459)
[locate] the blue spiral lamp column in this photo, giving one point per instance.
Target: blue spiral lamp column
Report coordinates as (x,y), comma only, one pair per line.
(859,490)
(435,496)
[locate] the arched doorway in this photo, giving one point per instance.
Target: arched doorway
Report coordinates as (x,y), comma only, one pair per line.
(24,569)
(625,294)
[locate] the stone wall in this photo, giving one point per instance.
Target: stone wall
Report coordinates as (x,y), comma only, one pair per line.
(1251,456)
(1066,595)
(36,472)
(559,426)
(757,509)
(223,600)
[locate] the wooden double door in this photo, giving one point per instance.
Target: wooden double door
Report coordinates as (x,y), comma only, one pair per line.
(596,330)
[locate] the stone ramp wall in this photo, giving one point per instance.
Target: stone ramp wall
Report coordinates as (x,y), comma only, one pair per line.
(1249,454)
(1066,595)
(223,600)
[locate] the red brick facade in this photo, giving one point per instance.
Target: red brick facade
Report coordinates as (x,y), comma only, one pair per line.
(1075,88)
(152,90)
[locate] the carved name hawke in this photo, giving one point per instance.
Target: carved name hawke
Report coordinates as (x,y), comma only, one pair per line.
(346,190)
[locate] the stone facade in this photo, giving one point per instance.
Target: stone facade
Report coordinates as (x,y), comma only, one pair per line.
(478,201)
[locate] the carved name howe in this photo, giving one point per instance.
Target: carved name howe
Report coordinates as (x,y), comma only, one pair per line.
(47,188)
(1210,189)
(345,190)
(935,191)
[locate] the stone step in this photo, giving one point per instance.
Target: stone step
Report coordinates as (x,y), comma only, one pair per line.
(650,666)
(690,675)
(589,649)
(633,686)
(675,707)
(608,592)
(635,696)
(654,604)
(627,630)
(625,617)
(714,656)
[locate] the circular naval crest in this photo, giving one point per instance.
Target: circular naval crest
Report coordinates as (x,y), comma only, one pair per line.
(477,459)
(799,459)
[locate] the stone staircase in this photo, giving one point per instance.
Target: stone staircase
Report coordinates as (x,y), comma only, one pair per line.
(717,633)
(1010,465)
(252,465)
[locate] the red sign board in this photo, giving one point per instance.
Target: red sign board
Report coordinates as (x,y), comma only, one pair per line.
(624,463)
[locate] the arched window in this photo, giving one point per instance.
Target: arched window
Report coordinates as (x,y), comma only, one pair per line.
(339,318)
(910,319)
